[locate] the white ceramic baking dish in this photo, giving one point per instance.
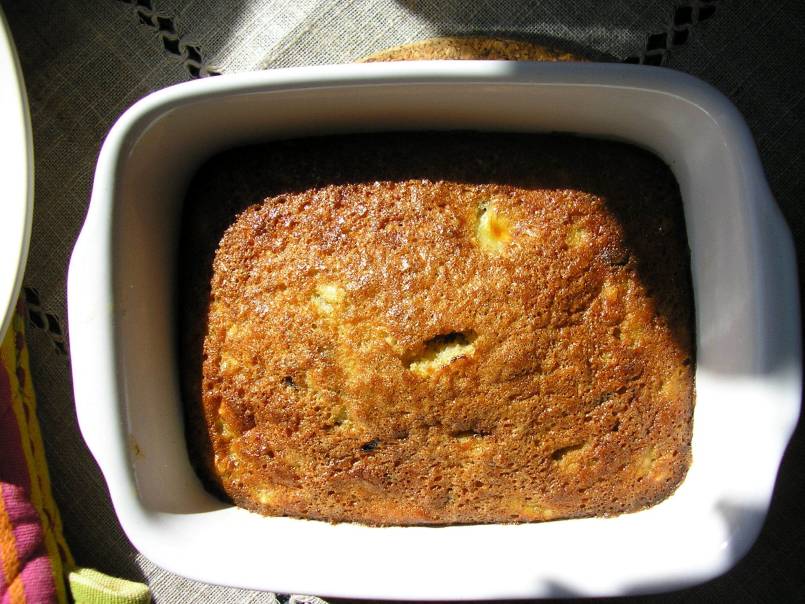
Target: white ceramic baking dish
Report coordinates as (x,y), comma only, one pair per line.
(121,318)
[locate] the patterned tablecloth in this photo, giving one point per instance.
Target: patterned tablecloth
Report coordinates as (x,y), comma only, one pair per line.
(85,62)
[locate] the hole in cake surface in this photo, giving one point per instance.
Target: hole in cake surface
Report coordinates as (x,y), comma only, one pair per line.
(474,443)
(441,351)
(493,230)
(563,452)
(371,445)
(467,435)
(569,458)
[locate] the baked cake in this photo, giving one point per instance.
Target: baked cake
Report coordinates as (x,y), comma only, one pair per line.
(437,328)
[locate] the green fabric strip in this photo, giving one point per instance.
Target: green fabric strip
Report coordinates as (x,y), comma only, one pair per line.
(89,586)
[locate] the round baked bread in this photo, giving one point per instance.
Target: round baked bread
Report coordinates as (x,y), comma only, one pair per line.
(471,48)
(439,328)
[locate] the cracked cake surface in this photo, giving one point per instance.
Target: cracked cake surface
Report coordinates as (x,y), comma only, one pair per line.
(437,328)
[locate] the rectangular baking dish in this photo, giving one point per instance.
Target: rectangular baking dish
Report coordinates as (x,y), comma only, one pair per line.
(121,319)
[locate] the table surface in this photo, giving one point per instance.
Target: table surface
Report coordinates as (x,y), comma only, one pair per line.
(84,63)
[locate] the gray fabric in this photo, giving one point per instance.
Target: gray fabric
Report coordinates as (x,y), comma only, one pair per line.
(85,62)
(356,29)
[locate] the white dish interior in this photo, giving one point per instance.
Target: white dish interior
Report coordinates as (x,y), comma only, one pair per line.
(748,351)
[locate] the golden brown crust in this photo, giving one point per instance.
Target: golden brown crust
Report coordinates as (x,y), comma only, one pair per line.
(496,329)
(469,48)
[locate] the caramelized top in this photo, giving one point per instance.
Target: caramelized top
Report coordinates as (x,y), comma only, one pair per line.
(438,328)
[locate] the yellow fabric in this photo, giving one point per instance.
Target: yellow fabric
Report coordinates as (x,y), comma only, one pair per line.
(14,358)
